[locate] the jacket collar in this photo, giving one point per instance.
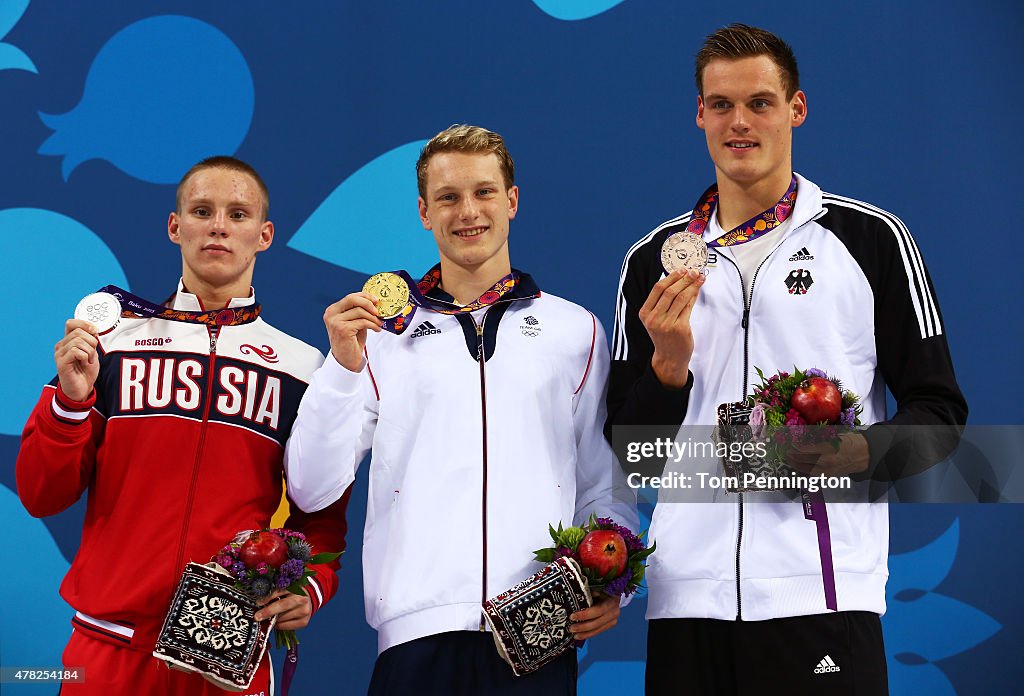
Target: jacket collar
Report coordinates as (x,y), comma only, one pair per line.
(525,289)
(183,299)
(808,202)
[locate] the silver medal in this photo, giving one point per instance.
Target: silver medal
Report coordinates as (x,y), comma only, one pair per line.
(684,250)
(101,309)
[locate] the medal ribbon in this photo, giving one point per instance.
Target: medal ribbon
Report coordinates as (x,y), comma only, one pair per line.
(418,298)
(750,230)
(291,663)
(814,509)
(134,307)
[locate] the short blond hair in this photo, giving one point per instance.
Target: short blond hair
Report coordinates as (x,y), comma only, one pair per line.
(470,139)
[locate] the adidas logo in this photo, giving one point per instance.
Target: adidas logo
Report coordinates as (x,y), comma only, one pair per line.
(425,329)
(826,665)
(802,255)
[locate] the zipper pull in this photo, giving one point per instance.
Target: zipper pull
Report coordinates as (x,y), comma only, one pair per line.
(213,341)
(746,318)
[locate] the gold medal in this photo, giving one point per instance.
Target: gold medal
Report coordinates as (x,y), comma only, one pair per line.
(392,293)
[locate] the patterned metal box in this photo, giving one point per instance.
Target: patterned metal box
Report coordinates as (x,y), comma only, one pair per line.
(530,621)
(210,629)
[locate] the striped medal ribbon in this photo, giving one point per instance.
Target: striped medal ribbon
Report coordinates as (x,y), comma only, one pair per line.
(417,296)
(110,303)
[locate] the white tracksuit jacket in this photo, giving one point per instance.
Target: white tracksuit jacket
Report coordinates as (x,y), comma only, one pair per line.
(471,459)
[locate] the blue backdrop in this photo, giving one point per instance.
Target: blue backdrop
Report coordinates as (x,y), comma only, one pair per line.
(913,106)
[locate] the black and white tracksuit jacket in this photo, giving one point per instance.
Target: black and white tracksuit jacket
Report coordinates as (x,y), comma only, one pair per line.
(844,290)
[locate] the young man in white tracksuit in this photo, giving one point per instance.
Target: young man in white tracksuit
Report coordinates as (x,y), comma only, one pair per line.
(485,421)
(739,601)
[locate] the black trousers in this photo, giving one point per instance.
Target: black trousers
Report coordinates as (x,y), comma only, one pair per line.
(835,654)
(465,663)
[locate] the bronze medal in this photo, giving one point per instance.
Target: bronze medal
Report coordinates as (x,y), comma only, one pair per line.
(684,250)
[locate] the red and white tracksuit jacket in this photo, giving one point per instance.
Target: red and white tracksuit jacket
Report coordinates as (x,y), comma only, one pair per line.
(180,447)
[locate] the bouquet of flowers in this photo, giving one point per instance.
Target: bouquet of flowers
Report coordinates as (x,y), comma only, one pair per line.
(210,626)
(611,557)
(530,621)
(805,407)
(271,559)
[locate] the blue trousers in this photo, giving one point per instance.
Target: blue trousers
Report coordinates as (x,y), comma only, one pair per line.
(465,663)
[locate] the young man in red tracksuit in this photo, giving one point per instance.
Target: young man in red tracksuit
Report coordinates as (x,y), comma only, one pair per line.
(176,429)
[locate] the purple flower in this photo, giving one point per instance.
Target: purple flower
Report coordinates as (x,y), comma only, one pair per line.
(757,421)
(617,586)
(634,543)
(290,571)
(238,568)
(815,372)
(848,417)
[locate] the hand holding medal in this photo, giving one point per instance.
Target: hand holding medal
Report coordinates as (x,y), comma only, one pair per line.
(76,359)
(666,316)
(397,297)
(384,302)
(388,301)
(391,291)
(75,355)
(684,256)
(347,322)
(100,312)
